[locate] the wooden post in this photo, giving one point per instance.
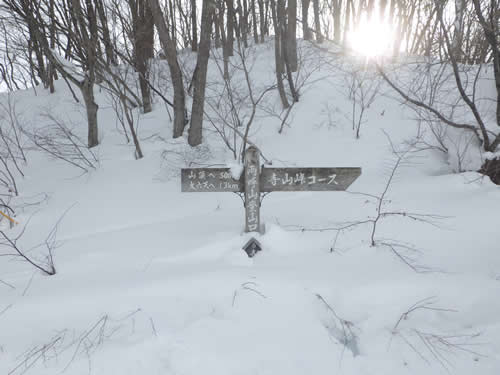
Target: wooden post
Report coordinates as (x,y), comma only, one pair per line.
(252,190)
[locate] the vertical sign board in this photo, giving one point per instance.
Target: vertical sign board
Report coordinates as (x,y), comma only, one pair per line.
(252,190)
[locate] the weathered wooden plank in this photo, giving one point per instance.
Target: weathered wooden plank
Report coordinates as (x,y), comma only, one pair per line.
(271,179)
(252,191)
(206,180)
(307,179)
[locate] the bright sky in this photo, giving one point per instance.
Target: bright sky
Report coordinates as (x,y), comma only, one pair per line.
(372,38)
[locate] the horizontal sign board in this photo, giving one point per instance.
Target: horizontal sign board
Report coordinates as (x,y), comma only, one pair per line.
(271,179)
(208,180)
(307,179)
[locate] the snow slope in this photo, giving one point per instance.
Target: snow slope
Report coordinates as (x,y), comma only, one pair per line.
(153,281)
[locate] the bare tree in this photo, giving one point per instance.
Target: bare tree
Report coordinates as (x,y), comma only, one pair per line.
(81,27)
(472,119)
(170,50)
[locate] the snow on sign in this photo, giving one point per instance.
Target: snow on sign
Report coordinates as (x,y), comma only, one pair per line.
(255,180)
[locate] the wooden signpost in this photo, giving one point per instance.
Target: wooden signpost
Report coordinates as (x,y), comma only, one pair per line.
(255,180)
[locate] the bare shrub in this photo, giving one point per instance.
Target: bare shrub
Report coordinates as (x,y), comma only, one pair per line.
(364,86)
(443,122)
(233,113)
(67,346)
(59,140)
(124,108)
(431,345)
(10,247)
(178,155)
(340,329)
(310,61)
(406,253)
(12,153)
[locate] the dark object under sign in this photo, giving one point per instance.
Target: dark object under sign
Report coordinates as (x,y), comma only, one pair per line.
(252,247)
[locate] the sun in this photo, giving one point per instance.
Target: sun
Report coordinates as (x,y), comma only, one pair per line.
(372,38)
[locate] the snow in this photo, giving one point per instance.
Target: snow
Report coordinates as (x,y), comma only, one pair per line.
(68,66)
(154,281)
(236,169)
(491,155)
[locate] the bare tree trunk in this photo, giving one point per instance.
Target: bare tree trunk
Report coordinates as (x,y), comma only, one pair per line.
(254,22)
(291,35)
(285,45)
(230,27)
(291,84)
(356,13)
(146,51)
(244,23)
(490,29)
(88,30)
(220,24)
(262,20)
(459,32)
(106,38)
(87,90)
(347,23)
(491,168)
(194,27)
(200,78)
(175,72)
(52,45)
(266,20)
(40,66)
(277,12)
(383,6)
(370,9)
(305,20)
(317,21)
(37,39)
(217,36)
(337,11)
(392,11)
(143,39)
(130,120)
(173,23)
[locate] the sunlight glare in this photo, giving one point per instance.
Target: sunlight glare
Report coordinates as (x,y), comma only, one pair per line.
(371,38)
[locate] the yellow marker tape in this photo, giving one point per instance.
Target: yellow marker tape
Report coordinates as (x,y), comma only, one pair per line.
(9,218)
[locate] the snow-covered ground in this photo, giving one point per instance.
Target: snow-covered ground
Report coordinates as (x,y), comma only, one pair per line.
(154,281)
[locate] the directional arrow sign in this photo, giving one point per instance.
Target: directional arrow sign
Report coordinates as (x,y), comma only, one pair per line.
(271,179)
(255,180)
(307,179)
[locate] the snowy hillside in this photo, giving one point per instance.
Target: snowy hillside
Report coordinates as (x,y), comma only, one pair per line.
(154,281)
